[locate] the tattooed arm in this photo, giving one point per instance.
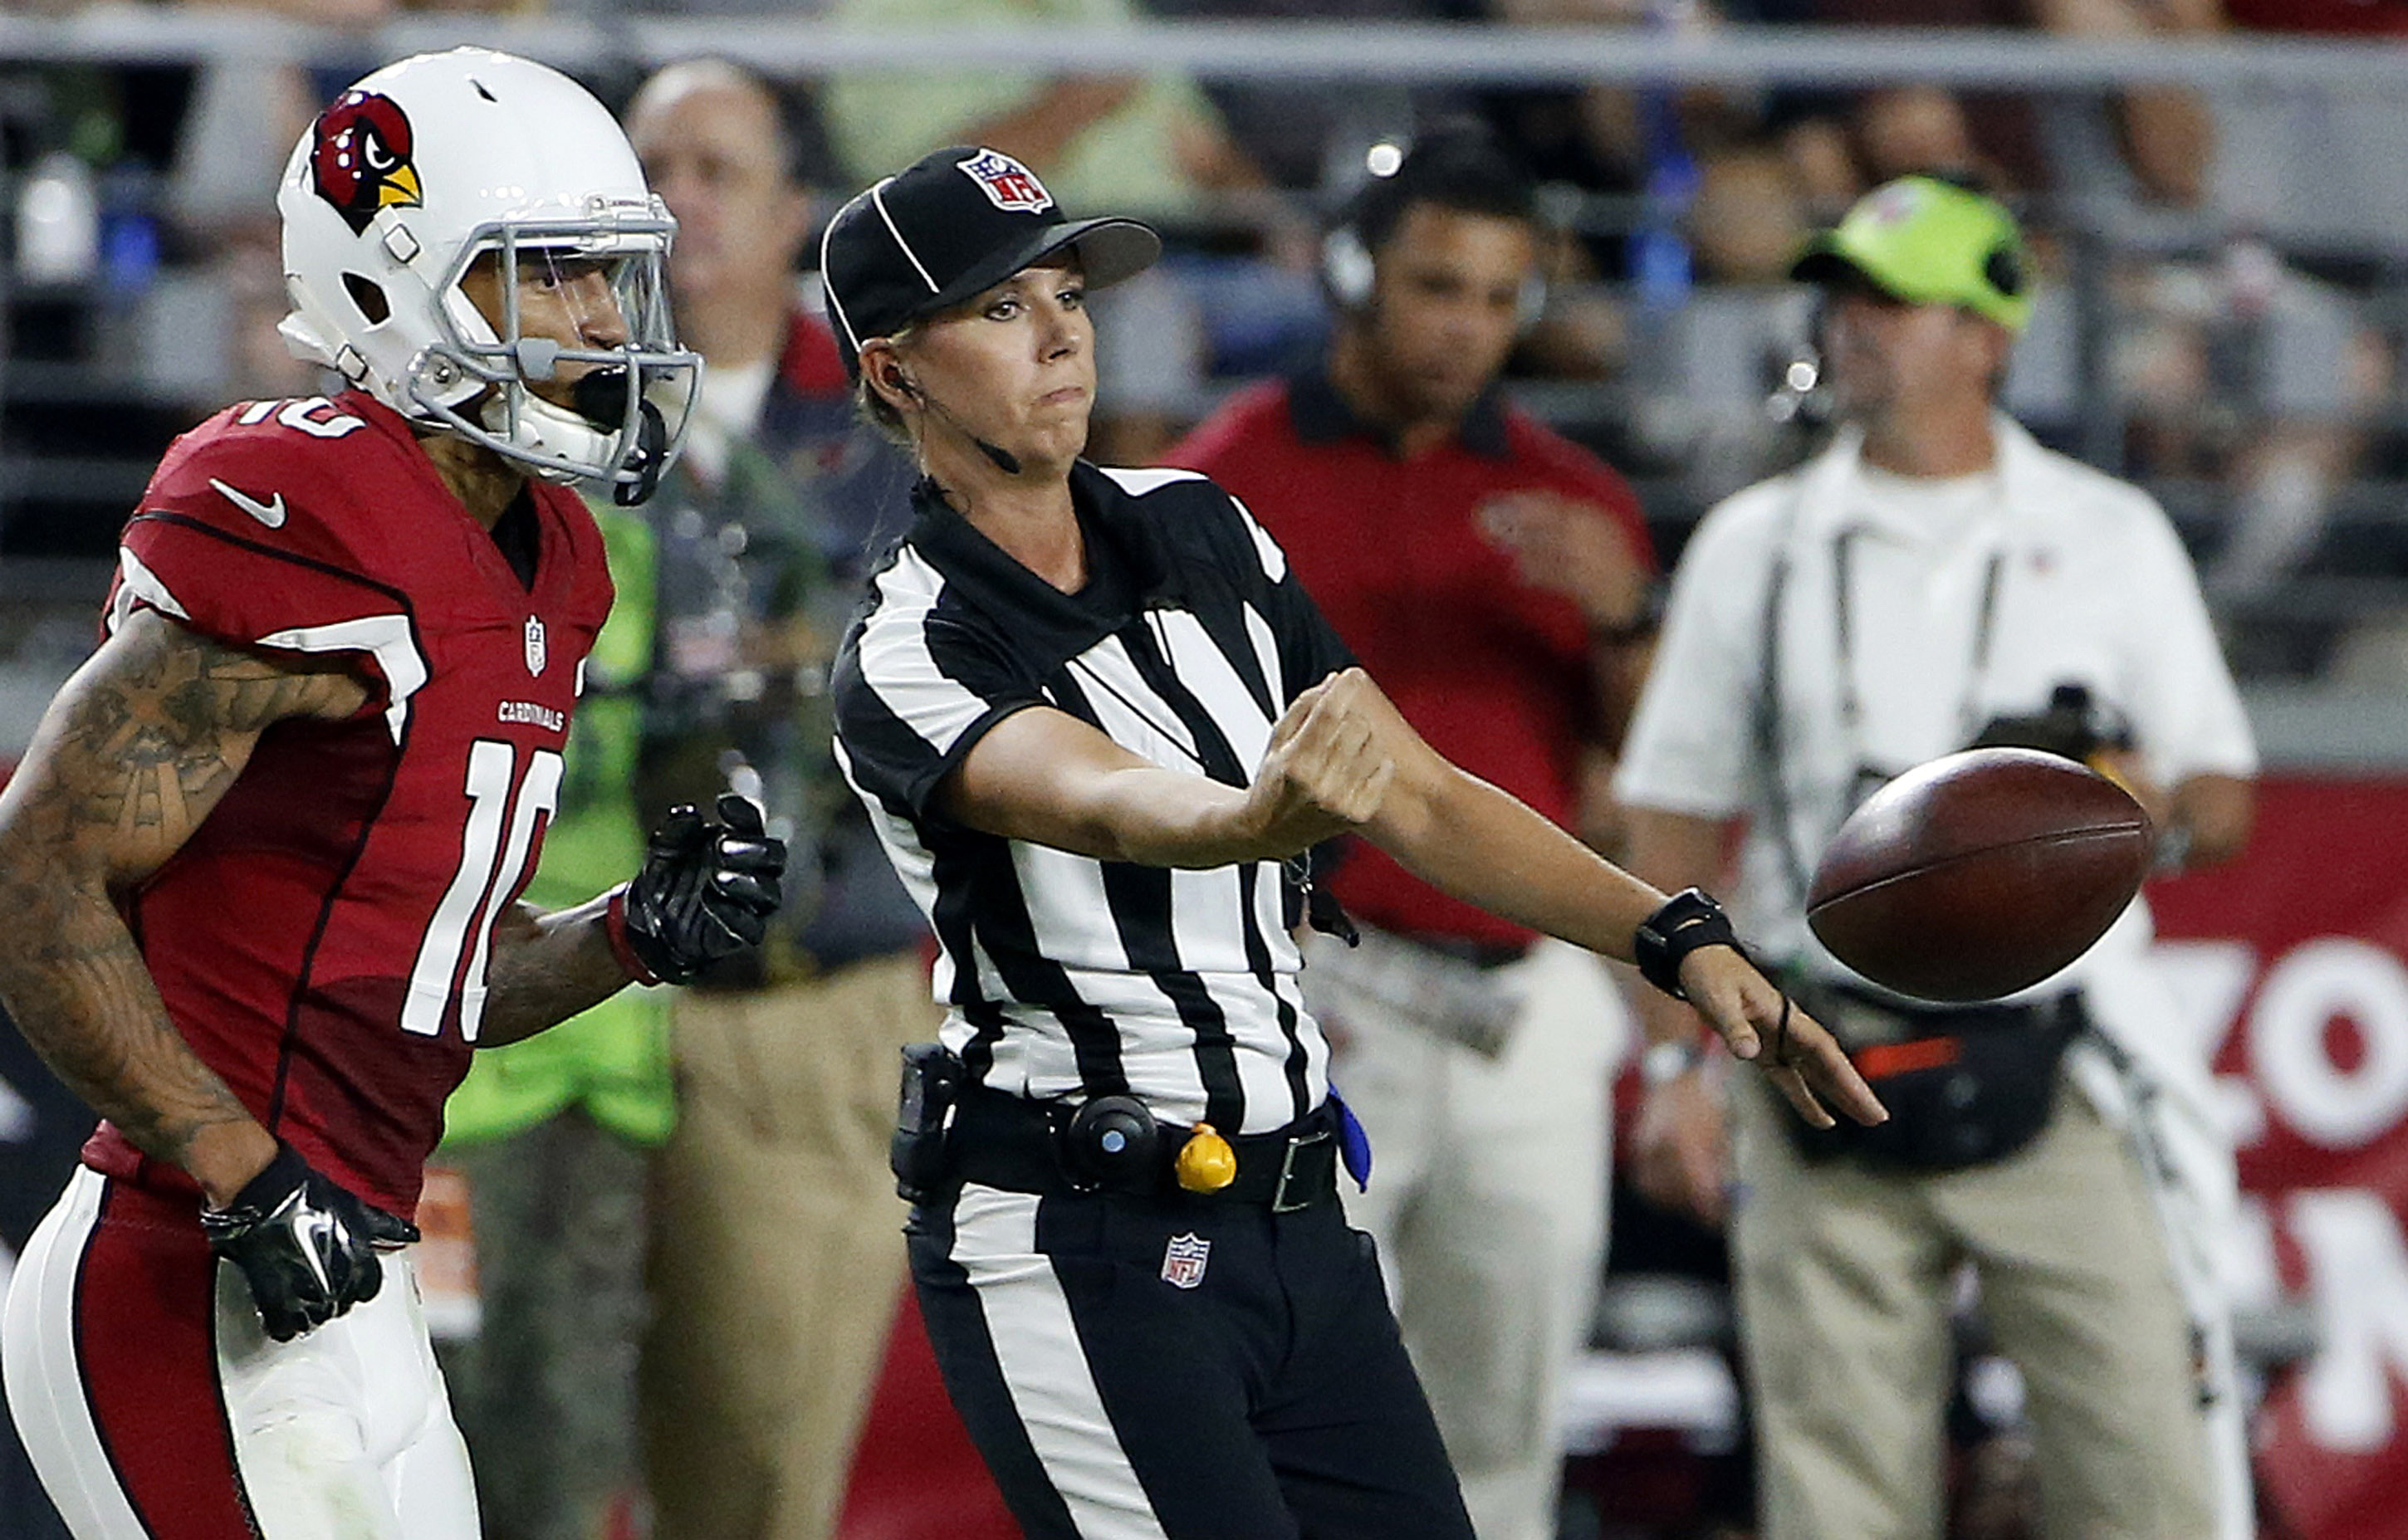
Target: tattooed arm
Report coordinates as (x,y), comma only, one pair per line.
(132,755)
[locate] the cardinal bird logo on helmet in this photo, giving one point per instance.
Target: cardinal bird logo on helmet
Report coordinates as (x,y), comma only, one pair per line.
(360,159)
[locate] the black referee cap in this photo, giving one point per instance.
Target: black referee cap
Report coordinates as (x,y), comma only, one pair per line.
(954,223)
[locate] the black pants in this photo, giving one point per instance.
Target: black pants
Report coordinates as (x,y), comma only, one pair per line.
(1179,1369)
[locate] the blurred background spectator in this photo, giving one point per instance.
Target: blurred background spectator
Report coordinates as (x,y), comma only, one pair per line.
(1151,144)
(772,1257)
(1494,580)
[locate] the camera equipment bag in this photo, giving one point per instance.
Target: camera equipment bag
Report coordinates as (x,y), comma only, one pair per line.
(1965,1086)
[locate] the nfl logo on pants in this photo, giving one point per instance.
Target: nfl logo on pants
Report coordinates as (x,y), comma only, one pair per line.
(1182,1261)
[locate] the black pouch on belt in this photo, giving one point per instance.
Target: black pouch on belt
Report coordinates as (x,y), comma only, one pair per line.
(933,1079)
(1965,1086)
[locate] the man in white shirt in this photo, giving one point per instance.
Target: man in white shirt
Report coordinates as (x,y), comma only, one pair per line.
(1933,578)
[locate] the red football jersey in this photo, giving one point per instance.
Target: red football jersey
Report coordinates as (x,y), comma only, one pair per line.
(1493,671)
(321,940)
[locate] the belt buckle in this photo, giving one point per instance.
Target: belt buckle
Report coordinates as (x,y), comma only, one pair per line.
(1280,1202)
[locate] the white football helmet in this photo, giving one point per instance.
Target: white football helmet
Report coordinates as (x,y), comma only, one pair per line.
(426,166)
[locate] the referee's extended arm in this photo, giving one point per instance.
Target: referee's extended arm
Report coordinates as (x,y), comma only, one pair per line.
(1343,759)
(1045,777)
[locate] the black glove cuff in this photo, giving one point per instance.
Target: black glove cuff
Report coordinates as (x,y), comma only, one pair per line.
(282,1178)
(1688,920)
(624,944)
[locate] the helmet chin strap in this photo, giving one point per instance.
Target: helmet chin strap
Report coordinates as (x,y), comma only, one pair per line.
(544,429)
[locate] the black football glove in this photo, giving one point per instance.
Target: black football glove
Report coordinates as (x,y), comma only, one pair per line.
(307,1247)
(707,889)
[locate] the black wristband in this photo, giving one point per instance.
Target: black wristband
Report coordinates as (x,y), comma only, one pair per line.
(1688,920)
(276,1180)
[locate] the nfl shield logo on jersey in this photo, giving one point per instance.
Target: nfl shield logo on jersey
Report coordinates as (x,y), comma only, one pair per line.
(1008,184)
(534,644)
(1182,1261)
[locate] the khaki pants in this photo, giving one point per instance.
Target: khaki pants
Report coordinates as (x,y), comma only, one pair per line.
(546,1391)
(1487,1199)
(1845,1279)
(777,1256)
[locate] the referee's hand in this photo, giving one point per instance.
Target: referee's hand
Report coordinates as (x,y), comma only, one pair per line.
(1328,768)
(1761,1023)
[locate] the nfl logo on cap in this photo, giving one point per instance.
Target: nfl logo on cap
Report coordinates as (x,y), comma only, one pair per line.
(1008,184)
(535,651)
(1182,1261)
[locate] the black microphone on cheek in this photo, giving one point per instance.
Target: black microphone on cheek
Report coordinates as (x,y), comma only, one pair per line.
(1004,459)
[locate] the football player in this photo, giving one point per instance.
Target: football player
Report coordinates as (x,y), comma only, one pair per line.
(262,861)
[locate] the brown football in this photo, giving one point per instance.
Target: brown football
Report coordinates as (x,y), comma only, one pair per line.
(1979,874)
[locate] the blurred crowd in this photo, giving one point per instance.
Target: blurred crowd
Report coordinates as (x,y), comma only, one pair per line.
(2218,293)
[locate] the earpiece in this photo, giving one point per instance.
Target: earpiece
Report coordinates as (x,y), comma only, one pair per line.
(1801,388)
(1347,268)
(1531,303)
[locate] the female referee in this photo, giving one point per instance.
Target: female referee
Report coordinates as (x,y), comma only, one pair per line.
(1098,723)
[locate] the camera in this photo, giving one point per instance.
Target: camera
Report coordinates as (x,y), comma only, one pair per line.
(2073,724)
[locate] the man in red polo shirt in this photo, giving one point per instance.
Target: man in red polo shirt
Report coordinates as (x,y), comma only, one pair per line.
(1493,577)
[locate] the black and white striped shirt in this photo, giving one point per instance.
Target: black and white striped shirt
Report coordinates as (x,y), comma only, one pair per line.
(1066,975)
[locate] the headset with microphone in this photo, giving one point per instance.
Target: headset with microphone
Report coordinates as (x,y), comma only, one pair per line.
(1002,459)
(1401,175)
(1351,275)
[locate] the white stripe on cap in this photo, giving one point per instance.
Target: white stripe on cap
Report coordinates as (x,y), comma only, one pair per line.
(827,282)
(878,196)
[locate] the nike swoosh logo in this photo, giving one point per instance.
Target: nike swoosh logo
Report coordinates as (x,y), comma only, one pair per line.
(270,513)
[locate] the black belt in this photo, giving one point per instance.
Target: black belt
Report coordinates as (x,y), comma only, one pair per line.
(1012,1143)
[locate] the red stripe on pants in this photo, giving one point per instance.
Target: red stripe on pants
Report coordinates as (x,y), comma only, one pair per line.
(146,1347)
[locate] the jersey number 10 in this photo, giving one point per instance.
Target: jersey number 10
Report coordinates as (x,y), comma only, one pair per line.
(491,865)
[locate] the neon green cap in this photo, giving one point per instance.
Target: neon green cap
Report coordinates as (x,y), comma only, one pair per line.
(1928,242)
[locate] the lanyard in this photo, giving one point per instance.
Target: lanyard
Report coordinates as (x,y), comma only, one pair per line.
(1767,713)
(1977,668)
